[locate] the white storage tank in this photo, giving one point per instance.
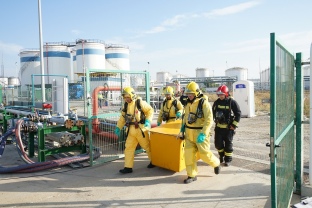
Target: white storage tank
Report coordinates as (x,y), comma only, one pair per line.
(117,57)
(239,72)
(74,65)
(4,81)
(306,70)
(90,54)
(265,75)
(202,72)
(13,81)
(57,61)
(30,64)
(163,77)
(243,93)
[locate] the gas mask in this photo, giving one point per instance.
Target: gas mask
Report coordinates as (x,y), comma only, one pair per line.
(165,116)
(128,118)
(220,117)
(191,118)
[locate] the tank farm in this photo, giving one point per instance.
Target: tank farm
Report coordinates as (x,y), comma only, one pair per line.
(56,118)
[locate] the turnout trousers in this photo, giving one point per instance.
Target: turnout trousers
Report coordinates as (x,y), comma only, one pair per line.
(224,143)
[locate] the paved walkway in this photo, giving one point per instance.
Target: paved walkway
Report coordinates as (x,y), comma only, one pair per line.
(103,186)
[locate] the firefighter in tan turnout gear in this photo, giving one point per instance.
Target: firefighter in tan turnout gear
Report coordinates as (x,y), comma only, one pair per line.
(136,116)
(171,109)
(196,127)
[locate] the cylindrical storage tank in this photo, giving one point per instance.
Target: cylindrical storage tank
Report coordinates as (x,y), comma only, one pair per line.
(57,61)
(13,81)
(30,64)
(202,72)
(74,59)
(4,81)
(306,77)
(239,72)
(90,54)
(265,75)
(265,79)
(306,70)
(117,57)
(163,77)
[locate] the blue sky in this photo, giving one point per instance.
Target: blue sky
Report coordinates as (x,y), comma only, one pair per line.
(175,36)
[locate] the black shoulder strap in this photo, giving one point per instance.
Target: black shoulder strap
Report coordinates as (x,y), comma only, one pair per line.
(230,100)
(200,104)
(174,103)
(125,107)
(138,104)
(199,111)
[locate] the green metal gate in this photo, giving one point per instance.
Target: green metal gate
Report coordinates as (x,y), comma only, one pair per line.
(282,124)
(102,120)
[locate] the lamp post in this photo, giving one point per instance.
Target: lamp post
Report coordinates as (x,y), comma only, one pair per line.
(41,53)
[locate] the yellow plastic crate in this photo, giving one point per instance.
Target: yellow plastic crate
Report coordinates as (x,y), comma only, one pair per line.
(167,151)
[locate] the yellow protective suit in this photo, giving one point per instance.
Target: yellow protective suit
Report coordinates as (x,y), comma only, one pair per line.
(135,134)
(169,108)
(191,146)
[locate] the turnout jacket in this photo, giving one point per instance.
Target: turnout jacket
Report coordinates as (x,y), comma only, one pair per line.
(231,112)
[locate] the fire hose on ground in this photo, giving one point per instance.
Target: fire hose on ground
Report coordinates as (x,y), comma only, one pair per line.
(32,166)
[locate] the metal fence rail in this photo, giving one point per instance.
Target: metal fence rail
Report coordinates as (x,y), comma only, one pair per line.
(102,114)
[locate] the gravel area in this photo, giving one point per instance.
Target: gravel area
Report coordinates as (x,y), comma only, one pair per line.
(249,144)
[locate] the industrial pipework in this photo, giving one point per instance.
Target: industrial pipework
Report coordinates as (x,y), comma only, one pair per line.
(32,166)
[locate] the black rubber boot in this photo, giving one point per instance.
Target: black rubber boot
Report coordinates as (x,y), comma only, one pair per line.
(221,159)
(190,179)
(217,170)
(150,165)
(126,170)
(227,164)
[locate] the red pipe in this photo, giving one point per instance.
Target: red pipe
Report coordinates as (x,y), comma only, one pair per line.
(106,134)
(95,93)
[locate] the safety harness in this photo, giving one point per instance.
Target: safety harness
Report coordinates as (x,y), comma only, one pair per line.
(199,114)
(129,117)
(165,115)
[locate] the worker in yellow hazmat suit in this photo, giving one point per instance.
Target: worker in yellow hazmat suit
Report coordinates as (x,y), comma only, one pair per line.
(196,127)
(136,116)
(171,109)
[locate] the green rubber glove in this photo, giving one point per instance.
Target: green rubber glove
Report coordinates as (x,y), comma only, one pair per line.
(182,128)
(178,114)
(147,123)
(158,123)
(201,138)
(117,131)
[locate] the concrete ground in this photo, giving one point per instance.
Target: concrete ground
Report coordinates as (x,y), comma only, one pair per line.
(104,186)
(244,184)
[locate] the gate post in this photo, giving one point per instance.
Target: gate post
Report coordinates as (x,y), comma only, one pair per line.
(299,132)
